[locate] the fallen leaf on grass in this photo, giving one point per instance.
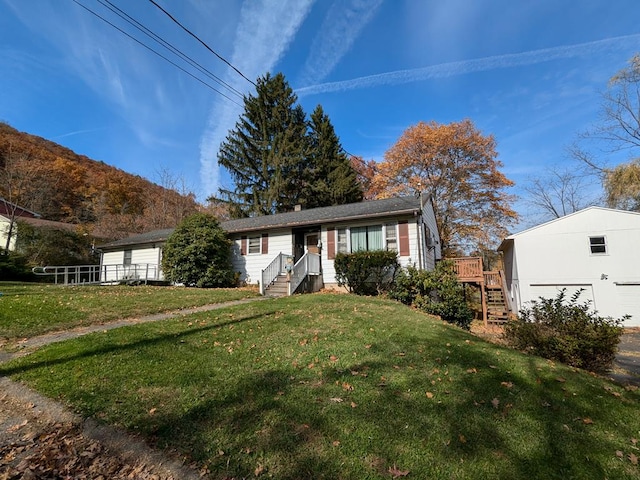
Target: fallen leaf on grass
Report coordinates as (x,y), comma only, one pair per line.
(495,402)
(633,459)
(619,454)
(561,380)
(462,439)
(152,411)
(587,421)
(397,473)
(429,395)
(507,384)
(472,370)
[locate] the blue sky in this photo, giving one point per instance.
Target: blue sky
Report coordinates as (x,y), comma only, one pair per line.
(528,72)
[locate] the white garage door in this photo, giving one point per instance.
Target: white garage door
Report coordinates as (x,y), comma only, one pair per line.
(629,303)
(551,291)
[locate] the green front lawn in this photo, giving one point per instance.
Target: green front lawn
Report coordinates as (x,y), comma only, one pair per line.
(28,309)
(344,387)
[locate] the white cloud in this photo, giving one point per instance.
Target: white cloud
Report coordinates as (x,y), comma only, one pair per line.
(476,65)
(265,30)
(342,25)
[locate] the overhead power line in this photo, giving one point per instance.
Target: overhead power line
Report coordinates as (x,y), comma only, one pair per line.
(156,52)
(157,38)
(202,42)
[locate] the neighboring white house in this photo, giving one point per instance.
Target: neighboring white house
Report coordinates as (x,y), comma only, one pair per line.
(10,213)
(596,249)
(406,225)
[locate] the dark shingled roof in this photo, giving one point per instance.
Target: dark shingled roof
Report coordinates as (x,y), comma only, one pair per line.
(144,238)
(315,216)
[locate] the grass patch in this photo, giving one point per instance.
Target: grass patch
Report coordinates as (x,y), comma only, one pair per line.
(339,386)
(29,309)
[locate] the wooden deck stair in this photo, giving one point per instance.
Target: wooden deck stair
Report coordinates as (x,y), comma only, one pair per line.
(492,285)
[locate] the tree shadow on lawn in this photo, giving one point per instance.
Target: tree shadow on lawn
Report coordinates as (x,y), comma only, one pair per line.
(460,409)
(483,417)
(108,347)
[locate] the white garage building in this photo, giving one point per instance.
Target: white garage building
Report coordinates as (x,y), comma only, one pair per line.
(596,249)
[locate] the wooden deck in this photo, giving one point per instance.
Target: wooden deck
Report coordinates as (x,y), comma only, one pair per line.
(496,306)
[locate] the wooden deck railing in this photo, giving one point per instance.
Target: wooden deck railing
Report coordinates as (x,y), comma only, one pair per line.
(492,279)
(468,269)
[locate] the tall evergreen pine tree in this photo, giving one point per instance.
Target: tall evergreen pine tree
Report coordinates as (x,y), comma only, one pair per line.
(265,152)
(277,160)
(333,181)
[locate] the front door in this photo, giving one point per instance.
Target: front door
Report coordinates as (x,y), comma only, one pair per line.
(311,240)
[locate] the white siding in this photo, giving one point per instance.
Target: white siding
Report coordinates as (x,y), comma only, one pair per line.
(4,230)
(328,268)
(558,253)
(432,246)
(145,264)
(250,266)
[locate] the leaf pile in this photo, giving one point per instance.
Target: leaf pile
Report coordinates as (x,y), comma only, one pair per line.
(62,452)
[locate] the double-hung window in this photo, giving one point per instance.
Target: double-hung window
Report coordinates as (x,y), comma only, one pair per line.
(127,257)
(254,244)
(392,237)
(342,240)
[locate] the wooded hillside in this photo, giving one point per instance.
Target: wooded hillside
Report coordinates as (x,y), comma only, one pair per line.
(61,185)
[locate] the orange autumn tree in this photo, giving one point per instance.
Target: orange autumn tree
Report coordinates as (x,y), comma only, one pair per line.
(458,167)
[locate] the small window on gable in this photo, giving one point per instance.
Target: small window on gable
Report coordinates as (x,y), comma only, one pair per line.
(598,245)
(254,244)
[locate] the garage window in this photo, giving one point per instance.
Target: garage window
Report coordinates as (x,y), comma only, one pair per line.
(598,245)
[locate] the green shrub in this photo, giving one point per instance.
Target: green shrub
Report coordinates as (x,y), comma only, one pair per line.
(14,267)
(51,246)
(367,273)
(198,254)
(437,292)
(566,331)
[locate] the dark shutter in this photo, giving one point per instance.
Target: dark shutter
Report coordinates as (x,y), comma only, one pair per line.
(265,243)
(243,245)
(331,243)
(403,232)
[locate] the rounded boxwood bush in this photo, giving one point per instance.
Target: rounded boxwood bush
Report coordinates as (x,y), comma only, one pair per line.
(198,253)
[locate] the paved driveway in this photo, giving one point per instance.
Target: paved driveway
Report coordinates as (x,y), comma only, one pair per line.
(627,365)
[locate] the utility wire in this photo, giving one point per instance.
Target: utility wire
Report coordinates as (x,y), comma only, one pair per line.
(149,33)
(157,53)
(202,42)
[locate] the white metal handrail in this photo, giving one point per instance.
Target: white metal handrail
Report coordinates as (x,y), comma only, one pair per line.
(309,264)
(92,274)
(275,268)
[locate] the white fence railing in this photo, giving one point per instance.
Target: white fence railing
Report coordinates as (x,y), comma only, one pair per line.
(309,264)
(92,274)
